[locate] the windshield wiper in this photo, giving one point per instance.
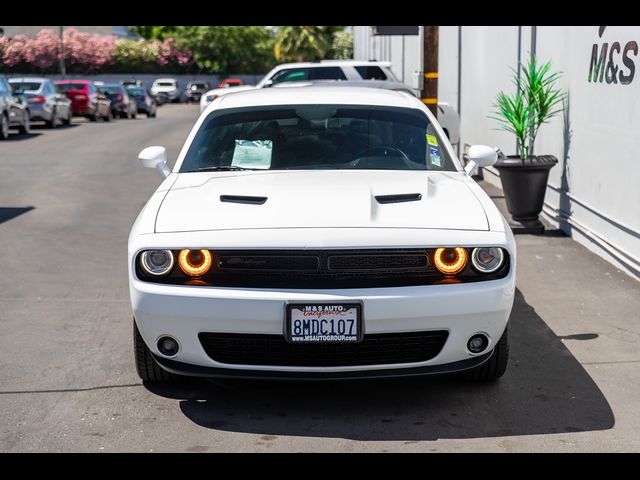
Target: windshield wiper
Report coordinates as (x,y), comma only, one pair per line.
(221,168)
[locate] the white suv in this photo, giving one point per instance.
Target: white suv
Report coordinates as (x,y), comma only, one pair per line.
(341,73)
(168,86)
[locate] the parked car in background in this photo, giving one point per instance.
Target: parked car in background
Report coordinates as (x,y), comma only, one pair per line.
(144,101)
(447,115)
(195,89)
(395,262)
(122,104)
(167,86)
(14,110)
(230,82)
(86,100)
(342,73)
(46,102)
(132,83)
(161,97)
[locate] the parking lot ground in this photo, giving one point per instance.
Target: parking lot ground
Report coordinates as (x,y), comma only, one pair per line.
(68,198)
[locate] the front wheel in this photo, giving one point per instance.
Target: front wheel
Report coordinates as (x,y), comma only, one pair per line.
(146,366)
(25,128)
(54,120)
(4,127)
(495,367)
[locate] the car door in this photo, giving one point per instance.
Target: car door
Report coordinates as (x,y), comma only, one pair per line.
(63,104)
(13,103)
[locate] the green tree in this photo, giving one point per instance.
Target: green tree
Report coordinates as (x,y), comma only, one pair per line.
(342,45)
(303,43)
(154,32)
(221,49)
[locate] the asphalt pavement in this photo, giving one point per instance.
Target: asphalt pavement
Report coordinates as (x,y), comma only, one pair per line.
(68,198)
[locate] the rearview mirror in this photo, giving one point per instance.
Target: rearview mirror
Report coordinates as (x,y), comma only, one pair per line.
(481,156)
(155,157)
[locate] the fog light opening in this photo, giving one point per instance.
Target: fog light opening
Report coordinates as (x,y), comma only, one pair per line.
(478,343)
(168,346)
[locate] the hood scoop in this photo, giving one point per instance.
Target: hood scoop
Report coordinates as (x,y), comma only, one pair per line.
(399,198)
(243,199)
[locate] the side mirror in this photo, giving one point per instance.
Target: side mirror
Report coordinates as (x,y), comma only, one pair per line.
(155,157)
(481,156)
(267,84)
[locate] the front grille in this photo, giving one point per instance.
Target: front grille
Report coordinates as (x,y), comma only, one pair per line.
(375,349)
(403,262)
(323,268)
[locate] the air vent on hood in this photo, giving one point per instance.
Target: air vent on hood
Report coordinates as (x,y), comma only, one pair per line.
(243,199)
(400,198)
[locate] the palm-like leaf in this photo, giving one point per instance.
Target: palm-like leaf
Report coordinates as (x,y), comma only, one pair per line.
(534,103)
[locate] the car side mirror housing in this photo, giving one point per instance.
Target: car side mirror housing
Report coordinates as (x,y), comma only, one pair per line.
(155,157)
(267,84)
(481,156)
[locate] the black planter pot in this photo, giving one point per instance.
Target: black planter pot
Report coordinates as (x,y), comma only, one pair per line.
(524,185)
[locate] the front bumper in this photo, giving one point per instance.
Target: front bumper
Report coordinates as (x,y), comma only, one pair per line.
(184,311)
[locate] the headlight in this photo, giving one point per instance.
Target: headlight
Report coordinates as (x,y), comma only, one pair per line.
(487,259)
(157,262)
(195,263)
(450,261)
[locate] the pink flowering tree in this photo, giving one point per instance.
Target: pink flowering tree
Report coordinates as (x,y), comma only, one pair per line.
(87,53)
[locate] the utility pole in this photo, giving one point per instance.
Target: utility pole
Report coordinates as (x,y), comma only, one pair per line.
(429,94)
(62,67)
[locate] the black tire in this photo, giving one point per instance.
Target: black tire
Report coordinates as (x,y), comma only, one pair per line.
(25,128)
(54,121)
(495,367)
(4,127)
(94,117)
(146,366)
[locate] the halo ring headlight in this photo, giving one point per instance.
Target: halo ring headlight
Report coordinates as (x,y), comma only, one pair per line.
(195,263)
(487,259)
(157,262)
(450,261)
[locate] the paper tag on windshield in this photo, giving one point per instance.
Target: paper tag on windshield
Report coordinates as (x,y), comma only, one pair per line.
(252,154)
(434,156)
(432,140)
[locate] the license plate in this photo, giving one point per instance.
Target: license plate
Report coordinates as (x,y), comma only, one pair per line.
(323,322)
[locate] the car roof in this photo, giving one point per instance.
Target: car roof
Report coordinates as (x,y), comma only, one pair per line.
(317,95)
(28,79)
(80,82)
(336,63)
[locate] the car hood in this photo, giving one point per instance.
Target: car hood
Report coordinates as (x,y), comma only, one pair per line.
(320,199)
(163,89)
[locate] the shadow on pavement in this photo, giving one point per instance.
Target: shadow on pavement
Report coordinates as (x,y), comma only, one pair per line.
(9,213)
(545,390)
(13,137)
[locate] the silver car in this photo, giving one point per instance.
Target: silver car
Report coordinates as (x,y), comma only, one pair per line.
(46,102)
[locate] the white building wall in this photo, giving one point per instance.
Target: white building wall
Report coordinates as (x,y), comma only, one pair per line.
(594,192)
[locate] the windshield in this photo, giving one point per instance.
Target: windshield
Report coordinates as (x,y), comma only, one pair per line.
(195,86)
(65,87)
(165,84)
(26,86)
(111,89)
(322,137)
(137,91)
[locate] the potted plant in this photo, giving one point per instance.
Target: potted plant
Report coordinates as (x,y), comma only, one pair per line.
(524,176)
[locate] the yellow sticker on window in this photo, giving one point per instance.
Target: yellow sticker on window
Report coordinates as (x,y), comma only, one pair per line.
(432,140)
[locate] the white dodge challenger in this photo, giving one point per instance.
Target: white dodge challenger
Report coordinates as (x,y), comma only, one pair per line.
(319,233)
